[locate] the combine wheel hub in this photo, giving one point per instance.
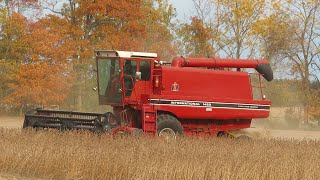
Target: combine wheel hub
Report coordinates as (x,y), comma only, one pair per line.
(168,127)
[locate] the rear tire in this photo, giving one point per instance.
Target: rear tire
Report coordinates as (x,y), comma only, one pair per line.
(168,126)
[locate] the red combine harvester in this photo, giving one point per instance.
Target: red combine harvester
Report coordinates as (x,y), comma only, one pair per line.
(193,96)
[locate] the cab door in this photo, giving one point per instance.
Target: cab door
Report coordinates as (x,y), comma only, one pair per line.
(137,78)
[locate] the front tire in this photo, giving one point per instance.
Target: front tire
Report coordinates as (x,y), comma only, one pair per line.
(168,126)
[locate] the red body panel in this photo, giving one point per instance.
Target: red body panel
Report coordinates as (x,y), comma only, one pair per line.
(224,88)
(208,101)
(212,84)
(203,99)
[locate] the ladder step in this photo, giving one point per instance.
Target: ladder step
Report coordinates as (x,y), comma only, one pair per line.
(149,117)
(149,127)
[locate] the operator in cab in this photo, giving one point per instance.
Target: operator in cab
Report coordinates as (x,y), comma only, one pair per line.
(129,77)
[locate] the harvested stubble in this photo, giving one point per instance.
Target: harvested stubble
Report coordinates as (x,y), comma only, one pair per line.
(83,155)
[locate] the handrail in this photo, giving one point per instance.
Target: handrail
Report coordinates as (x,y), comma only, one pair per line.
(259,86)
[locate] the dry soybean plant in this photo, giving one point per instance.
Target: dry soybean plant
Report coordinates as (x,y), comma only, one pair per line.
(84,155)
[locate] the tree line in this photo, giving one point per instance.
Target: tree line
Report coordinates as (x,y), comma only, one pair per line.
(46,47)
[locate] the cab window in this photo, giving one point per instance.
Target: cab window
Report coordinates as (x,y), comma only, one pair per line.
(145,69)
(109,80)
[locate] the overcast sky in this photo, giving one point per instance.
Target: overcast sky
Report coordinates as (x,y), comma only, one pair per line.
(184,8)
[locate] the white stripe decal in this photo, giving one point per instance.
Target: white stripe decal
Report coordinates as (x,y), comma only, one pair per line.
(166,102)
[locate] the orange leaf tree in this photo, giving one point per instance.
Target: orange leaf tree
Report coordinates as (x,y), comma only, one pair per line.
(196,38)
(131,25)
(54,53)
(44,74)
(39,84)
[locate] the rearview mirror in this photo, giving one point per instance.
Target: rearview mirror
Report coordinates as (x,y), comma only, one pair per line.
(138,76)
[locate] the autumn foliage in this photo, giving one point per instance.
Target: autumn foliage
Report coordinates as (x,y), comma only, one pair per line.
(59,37)
(51,56)
(40,83)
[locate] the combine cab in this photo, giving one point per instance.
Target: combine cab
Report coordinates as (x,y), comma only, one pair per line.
(193,96)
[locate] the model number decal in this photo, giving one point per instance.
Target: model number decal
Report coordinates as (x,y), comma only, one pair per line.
(207,104)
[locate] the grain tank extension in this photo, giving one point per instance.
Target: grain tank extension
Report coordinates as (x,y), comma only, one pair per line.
(190,96)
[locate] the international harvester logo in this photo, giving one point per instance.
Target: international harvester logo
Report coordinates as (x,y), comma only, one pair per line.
(175,86)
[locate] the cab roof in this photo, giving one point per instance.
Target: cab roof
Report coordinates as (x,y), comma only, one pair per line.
(125,54)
